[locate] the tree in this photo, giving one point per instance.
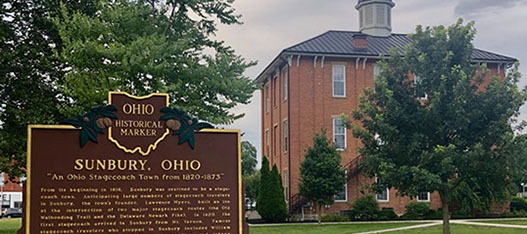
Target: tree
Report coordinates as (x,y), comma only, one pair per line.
(252,186)
(321,175)
(149,46)
(248,158)
(270,203)
(29,73)
(455,142)
(60,58)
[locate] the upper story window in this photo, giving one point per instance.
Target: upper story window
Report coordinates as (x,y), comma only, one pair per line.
(339,80)
(339,134)
(376,71)
(267,98)
(418,90)
(285,77)
(275,91)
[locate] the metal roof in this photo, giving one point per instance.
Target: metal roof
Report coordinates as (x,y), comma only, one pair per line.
(340,44)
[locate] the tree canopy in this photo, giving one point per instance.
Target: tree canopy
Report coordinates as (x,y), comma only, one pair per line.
(457,140)
(249,160)
(60,58)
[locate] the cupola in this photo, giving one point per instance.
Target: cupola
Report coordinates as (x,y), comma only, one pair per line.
(375,17)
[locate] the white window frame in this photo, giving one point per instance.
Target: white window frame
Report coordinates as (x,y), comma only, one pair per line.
(376,71)
(416,82)
(424,200)
(286,185)
(387,194)
(339,80)
(285,130)
(267,101)
(345,190)
(285,76)
(335,134)
(267,143)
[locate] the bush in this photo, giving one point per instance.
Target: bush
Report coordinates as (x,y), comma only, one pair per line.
(417,210)
(515,214)
(270,203)
(333,218)
(365,208)
(387,214)
(435,214)
(518,204)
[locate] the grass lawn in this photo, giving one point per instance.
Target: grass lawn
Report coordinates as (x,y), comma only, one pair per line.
(326,228)
(461,228)
(514,222)
(10,226)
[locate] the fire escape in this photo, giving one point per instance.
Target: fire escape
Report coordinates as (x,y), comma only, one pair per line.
(297,201)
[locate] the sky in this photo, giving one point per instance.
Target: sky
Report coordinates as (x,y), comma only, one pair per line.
(272,25)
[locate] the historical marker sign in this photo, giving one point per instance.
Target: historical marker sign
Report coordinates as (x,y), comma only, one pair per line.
(122,170)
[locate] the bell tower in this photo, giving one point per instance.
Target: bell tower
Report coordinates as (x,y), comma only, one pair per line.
(375,17)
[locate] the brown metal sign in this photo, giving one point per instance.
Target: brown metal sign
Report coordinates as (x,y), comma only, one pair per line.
(129,181)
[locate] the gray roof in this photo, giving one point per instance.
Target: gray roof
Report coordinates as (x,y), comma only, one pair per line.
(340,44)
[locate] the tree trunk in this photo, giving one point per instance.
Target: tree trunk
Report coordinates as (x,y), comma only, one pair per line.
(445,200)
(319,213)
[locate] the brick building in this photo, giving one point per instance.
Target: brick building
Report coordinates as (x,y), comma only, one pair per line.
(10,193)
(308,85)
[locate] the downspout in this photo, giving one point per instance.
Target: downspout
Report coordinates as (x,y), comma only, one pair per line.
(289,127)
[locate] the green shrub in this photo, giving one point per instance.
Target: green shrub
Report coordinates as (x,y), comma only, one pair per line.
(387,214)
(518,203)
(514,214)
(416,210)
(270,203)
(333,218)
(434,214)
(365,208)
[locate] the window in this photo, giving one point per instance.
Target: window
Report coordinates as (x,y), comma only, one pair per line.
(418,91)
(423,197)
(275,136)
(285,76)
(384,195)
(267,98)
(339,134)
(275,91)
(267,139)
(342,196)
(286,145)
(339,80)
(286,185)
(376,71)
(381,14)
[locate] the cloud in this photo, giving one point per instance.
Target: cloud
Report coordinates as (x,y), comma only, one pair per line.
(469,8)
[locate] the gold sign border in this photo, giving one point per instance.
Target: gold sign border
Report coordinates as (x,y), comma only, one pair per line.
(138,148)
(27,198)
